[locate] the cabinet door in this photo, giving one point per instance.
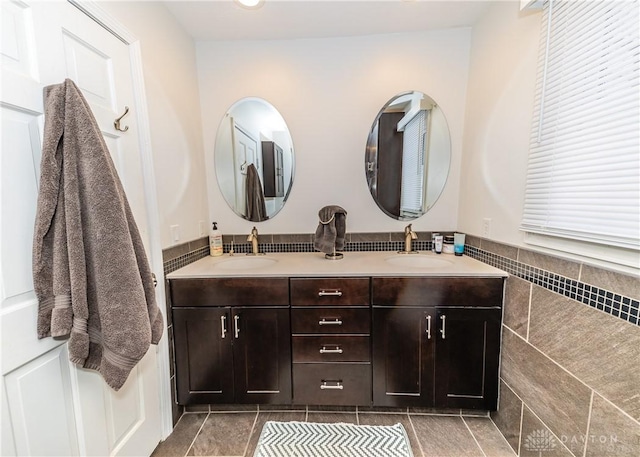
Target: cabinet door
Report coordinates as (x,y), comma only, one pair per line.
(467,353)
(403,357)
(204,365)
(262,355)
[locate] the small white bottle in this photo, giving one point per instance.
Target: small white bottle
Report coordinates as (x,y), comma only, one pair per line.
(215,241)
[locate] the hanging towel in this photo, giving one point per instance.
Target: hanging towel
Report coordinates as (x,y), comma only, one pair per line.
(256,209)
(90,270)
(331,229)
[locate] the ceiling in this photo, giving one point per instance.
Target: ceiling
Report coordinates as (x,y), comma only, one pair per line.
(292,19)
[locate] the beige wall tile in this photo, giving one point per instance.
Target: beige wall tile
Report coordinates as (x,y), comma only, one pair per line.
(507,418)
(516,305)
(504,250)
(538,440)
(559,399)
(611,432)
(546,262)
(616,282)
(599,349)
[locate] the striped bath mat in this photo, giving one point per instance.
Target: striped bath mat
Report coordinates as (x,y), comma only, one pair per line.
(307,439)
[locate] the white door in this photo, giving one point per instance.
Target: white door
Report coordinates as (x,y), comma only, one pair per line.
(50,407)
(245,153)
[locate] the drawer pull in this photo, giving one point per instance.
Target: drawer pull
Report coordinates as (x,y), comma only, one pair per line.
(329,293)
(336,350)
(443,329)
(324,321)
(337,385)
(236,325)
(428,327)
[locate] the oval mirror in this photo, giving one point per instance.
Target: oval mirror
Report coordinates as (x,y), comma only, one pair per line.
(408,155)
(254,159)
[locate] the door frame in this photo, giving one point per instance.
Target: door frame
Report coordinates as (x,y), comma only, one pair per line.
(99,15)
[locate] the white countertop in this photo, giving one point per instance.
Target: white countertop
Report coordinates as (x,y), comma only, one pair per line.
(313,264)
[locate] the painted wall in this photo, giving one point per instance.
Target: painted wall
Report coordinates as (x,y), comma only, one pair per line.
(169,66)
(329,92)
(499,110)
(584,396)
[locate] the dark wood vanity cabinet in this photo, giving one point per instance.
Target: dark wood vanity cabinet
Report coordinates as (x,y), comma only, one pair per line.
(331,327)
(436,342)
(232,354)
(382,341)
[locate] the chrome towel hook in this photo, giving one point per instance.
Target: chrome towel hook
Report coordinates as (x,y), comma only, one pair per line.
(116,123)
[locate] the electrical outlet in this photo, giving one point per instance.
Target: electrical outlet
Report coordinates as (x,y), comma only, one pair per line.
(486,227)
(202,228)
(175,233)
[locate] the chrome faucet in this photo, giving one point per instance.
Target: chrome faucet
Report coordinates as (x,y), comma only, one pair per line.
(409,235)
(253,237)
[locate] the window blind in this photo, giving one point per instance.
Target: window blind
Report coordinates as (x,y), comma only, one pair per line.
(413,152)
(583,177)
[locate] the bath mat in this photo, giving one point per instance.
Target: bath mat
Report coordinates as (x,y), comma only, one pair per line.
(308,439)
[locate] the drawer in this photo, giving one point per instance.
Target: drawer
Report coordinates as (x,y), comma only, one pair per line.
(332,384)
(471,292)
(329,291)
(331,349)
(230,292)
(330,320)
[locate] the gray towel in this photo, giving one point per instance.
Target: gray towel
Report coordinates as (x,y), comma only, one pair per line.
(90,270)
(331,229)
(256,209)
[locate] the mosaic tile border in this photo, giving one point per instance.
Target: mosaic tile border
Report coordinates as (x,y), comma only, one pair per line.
(355,246)
(185,259)
(617,305)
(626,308)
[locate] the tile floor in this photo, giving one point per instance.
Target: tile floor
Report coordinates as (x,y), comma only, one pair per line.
(451,433)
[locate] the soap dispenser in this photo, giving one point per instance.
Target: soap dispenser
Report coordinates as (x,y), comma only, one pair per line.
(215,241)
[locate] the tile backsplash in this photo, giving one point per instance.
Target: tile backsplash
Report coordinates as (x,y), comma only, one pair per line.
(613,293)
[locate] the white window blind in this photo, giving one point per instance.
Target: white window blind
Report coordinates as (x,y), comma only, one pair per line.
(413,151)
(583,179)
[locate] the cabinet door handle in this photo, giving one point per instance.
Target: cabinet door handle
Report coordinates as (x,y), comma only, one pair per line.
(236,325)
(223,325)
(329,293)
(324,321)
(336,350)
(444,322)
(428,327)
(337,385)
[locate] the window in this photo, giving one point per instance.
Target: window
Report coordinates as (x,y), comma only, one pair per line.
(583,178)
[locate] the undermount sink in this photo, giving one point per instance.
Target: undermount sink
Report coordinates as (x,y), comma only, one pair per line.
(245,263)
(418,261)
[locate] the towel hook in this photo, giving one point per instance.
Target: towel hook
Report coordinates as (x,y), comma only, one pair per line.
(116,123)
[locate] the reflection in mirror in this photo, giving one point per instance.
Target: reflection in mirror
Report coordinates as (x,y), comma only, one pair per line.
(408,155)
(254,159)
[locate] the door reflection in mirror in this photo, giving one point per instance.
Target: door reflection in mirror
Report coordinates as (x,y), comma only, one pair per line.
(253,132)
(408,154)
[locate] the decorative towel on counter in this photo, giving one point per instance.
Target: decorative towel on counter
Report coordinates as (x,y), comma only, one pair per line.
(256,209)
(90,270)
(331,229)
